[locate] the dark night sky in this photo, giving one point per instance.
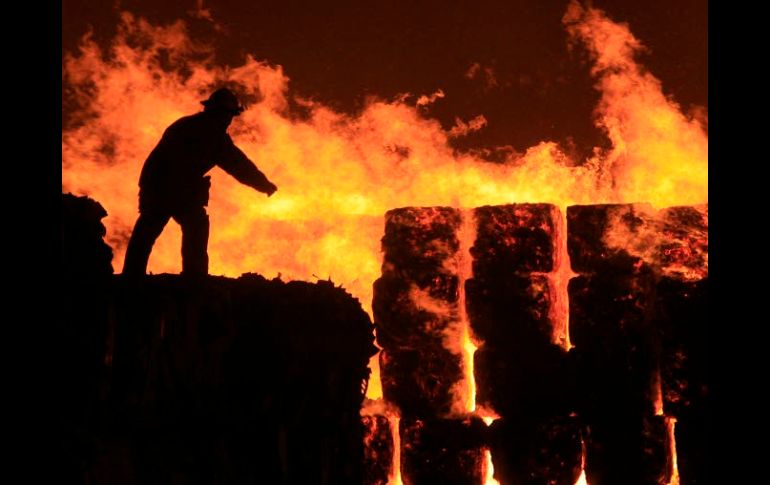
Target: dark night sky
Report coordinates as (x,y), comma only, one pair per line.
(341,52)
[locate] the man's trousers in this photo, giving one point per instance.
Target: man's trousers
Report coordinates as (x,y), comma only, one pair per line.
(195,237)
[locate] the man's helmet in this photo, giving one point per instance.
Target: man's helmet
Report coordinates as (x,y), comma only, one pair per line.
(224,99)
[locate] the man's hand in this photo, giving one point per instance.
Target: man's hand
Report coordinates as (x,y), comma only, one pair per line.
(270,189)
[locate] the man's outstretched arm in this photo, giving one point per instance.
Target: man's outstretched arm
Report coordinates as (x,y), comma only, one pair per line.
(237,164)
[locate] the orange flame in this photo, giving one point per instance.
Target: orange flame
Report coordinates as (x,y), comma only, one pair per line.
(374,386)
(488,416)
(677,250)
(657,392)
(658,155)
(489,469)
(466,236)
(582,480)
(395,471)
(559,282)
(670,424)
(338,173)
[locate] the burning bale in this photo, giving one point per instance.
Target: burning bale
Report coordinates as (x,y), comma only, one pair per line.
(683,320)
(627,448)
(683,251)
(420,381)
(415,304)
(378,449)
(519,371)
(615,404)
(507,301)
(513,239)
(509,310)
(635,313)
(443,451)
(541,451)
(601,237)
(259,379)
(613,329)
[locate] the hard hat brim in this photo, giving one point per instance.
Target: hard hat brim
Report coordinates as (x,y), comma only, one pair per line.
(208,104)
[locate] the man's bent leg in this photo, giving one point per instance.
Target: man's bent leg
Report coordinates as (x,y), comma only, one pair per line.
(147,229)
(195,240)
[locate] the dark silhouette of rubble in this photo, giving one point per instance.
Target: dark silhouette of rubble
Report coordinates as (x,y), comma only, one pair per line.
(211,380)
(85,255)
(167,379)
(81,332)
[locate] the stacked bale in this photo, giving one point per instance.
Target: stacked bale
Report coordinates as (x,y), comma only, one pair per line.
(415,304)
(165,379)
(378,449)
(519,372)
(237,381)
(682,318)
(443,450)
(613,329)
(416,313)
(635,309)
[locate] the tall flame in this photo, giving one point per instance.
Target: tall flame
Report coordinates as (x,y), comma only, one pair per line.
(466,236)
(658,154)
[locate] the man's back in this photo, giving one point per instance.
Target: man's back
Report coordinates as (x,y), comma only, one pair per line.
(189,148)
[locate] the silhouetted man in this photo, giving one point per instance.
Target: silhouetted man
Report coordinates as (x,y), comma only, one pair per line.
(173,182)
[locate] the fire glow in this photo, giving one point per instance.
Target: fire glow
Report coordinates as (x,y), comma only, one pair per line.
(466,236)
(339,173)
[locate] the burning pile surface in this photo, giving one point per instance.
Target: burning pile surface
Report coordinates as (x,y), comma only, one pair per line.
(605,402)
(216,380)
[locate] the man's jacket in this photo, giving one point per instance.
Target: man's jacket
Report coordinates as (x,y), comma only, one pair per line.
(173,176)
